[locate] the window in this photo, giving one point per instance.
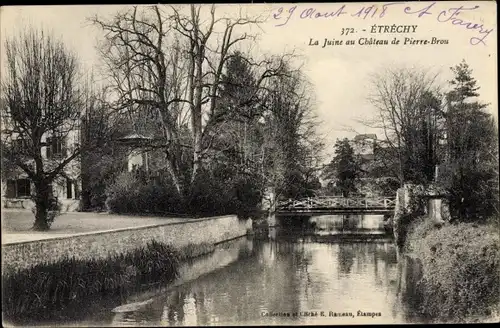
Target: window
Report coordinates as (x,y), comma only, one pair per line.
(77,189)
(55,147)
(18,188)
(18,145)
(69,189)
(23,188)
(11,189)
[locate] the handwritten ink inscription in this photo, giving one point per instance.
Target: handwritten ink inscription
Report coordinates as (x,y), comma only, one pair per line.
(378,11)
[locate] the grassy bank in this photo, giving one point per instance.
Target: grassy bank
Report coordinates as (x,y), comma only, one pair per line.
(460,264)
(194,250)
(54,291)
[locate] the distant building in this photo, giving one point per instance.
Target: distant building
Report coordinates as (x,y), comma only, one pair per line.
(364,145)
(137,156)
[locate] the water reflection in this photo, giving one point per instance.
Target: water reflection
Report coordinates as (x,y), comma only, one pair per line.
(349,223)
(267,282)
(334,228)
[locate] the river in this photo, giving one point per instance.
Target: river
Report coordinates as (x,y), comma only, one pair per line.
(288,278)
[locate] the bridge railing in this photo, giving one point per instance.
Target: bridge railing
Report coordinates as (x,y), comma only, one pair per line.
(337,202)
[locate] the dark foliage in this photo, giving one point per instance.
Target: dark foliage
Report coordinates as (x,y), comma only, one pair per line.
(460,264)
(344,168)
(470,172)
(217,192)
(135,192)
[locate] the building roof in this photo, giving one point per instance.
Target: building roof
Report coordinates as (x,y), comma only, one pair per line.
(368,157)
(134,139)
(365,136)
(134,136)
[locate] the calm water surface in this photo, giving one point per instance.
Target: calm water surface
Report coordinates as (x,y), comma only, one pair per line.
(288,279)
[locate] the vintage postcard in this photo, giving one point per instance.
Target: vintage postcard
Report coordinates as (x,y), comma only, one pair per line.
(249,164)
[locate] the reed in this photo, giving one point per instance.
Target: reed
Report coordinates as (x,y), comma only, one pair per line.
(49,291)
(194,250)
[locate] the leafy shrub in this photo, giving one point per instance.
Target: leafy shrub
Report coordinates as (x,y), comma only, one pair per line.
(460,269)
(417,232)
(122,194)
(248,190)
(210,195)
(473,191)
(134,192)
(222,190)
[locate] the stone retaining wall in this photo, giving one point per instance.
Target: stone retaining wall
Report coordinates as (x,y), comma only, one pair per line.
(102,244)
(414,201)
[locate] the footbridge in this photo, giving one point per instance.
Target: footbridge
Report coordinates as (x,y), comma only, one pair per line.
(324,205)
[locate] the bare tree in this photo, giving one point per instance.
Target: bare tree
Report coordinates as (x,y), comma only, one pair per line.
(101,157)
(43,105)
(291,144)
(145,70)
(207,56)
(171,64)
(409,111)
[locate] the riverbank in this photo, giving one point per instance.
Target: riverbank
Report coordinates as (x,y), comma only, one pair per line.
(43,277)
(57,289)
(101,244)
(460,265)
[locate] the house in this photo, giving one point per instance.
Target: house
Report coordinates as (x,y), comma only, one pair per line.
(364,145)
(17,188)
(138,156)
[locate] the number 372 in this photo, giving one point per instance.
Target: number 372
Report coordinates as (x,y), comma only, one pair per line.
(346,31)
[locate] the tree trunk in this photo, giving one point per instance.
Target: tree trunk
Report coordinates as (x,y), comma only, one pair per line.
(85,194)
(197,145)
(197,126)
(174,176)
(86,202)
(42,206)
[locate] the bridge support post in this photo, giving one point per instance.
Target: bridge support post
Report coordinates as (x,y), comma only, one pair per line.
(437,206)
(271,216)
(271,219)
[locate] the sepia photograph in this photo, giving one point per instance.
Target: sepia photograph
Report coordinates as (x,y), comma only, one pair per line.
(249,164)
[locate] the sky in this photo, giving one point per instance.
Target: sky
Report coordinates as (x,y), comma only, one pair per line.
(340,74)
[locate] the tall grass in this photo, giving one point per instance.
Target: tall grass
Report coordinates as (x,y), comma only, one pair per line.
(49,291)
(194,250)
(461,264)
